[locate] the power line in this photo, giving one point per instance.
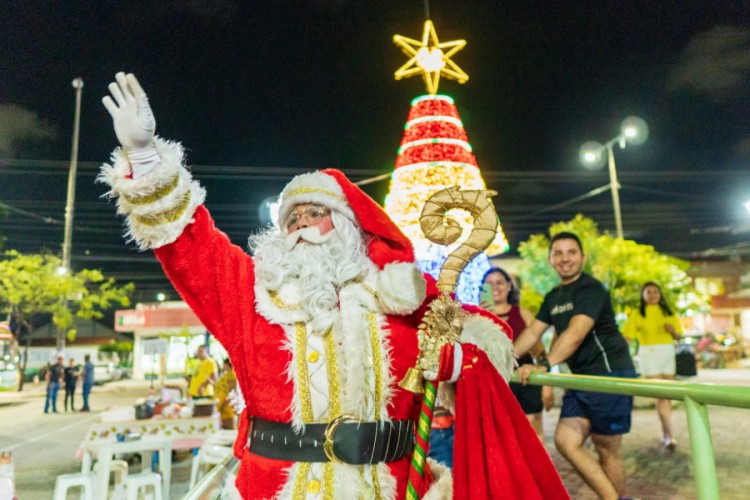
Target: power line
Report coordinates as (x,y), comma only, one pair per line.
(60,167)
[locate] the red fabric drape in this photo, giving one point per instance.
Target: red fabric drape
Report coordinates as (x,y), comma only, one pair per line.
(496,452)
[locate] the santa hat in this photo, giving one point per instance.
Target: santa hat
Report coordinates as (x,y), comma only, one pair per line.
(332,189)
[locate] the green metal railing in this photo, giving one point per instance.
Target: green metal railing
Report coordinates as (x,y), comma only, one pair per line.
(210,486)
(695,396)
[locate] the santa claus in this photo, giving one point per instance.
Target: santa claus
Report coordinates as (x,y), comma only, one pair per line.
(320,324)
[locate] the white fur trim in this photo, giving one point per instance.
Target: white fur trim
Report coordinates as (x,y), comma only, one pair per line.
(387,481)
(389,380)
(289,295)
(348,481)
(446,396)
(229,490)
(458,359)
(442,487)
(401,288)
(287,489)
(295,405)
(355,366)
(172,165)
(314,187)
(488,336)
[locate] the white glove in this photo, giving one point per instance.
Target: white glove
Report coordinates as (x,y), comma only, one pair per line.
(134,123)
(236,400)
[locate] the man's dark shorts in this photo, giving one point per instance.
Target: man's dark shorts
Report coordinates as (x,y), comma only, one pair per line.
(528,396)
(609,414)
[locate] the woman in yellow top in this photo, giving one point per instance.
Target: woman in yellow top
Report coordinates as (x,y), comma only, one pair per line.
(656,329)
(226,383)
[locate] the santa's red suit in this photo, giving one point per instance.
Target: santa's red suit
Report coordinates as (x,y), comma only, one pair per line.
(289,373)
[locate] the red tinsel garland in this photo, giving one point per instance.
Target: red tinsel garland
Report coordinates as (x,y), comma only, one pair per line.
(435,152)
(429,130)
(432,108)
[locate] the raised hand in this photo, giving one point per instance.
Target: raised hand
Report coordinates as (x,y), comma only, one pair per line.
(132,116)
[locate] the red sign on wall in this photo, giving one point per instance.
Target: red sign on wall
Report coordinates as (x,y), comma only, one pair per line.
(134,319)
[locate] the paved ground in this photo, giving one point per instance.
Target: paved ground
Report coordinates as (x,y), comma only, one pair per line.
(656,474)
(44,445)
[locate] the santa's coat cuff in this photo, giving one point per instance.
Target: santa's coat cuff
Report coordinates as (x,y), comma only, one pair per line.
(490,337)
(401,288)
(158,205)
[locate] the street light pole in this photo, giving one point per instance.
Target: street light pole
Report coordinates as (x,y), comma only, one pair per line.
(614,186)
(71,200)
(634,131)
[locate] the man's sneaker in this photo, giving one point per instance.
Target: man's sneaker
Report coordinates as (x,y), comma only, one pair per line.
(668,443)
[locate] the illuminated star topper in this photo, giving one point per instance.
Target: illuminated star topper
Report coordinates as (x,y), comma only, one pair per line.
(430,58)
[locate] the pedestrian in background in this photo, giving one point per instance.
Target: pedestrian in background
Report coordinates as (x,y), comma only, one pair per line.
(71,380)
(202,382)
(7,476)
(87,376)
(505,303)
(656,329)
(226,384)
(53,377)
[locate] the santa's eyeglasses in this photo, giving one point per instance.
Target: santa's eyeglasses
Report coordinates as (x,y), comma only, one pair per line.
(311,213)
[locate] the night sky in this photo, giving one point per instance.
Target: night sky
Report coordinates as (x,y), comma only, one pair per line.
(260,91)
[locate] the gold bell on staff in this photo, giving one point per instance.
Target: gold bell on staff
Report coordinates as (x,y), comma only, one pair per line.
(413,381)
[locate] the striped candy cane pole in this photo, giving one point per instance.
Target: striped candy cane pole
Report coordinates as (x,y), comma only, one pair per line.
(422,446)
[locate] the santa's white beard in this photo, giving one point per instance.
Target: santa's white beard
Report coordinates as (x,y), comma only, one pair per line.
(320,269)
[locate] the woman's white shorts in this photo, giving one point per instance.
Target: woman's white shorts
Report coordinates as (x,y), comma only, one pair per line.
(658,359)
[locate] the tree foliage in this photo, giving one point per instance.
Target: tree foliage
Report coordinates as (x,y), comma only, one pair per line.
(123,351)
(622,265)
(31,284)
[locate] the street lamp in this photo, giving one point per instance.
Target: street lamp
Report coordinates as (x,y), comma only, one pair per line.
(268,211)
(70,204)
(633,130)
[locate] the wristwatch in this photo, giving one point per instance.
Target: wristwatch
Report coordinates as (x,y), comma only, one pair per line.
(543,361)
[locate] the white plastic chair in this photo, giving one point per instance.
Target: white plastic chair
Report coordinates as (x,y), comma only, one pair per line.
(142,480)
(223,437)
(120,470)
(208,454)
(117,467)
(6,487)
(79,479)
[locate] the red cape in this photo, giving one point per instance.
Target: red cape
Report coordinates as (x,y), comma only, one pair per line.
(496,452)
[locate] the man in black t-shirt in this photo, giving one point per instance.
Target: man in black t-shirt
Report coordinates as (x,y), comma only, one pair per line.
(580,309)
(54,376)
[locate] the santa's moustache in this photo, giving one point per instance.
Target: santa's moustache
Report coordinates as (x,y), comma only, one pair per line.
(308,234)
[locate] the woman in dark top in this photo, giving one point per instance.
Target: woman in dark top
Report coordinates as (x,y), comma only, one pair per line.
(71,379)
(505,299)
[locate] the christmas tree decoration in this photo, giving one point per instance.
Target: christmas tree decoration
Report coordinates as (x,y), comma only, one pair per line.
(430,58)
(435,154)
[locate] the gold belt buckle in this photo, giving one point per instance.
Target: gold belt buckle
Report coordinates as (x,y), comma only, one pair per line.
(329,434)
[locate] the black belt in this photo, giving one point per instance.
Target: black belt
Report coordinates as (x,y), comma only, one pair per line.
(344,440)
